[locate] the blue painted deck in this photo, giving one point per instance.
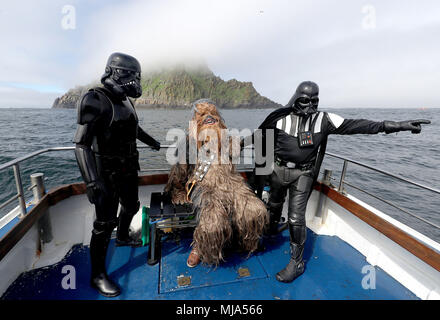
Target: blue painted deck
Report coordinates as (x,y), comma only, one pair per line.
(333,271)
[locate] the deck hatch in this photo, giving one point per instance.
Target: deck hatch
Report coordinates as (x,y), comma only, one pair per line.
(243,272)
(183,281)
(173,267)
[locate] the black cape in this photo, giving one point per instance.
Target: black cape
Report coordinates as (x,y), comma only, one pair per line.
(272,118)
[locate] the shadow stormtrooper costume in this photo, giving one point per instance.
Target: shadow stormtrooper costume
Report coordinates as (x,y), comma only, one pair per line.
(108,159)
(300,133)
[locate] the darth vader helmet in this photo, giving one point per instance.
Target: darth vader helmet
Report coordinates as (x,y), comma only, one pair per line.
(305,99)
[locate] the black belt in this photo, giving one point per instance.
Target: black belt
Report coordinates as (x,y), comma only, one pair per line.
(119,163)
(118,150)
(292,165)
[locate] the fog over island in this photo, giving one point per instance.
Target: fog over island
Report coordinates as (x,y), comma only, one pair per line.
(179,86)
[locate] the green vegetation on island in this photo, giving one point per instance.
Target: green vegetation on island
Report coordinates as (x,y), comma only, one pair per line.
(179,86)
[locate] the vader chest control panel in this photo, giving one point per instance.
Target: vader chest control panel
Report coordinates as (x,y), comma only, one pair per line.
(305,139)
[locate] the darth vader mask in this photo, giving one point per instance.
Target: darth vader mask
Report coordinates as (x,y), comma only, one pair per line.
(305,100)
(123,75)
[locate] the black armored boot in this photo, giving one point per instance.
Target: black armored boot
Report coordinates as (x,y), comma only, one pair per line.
(123,237)
(98,251)
(275,210)
(296,264)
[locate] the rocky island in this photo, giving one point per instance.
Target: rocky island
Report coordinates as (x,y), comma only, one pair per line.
(179,86)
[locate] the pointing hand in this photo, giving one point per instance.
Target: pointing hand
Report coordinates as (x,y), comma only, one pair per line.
(410,125)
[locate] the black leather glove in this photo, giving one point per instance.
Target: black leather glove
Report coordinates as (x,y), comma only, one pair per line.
(96,190)
(155,146)
(413,125)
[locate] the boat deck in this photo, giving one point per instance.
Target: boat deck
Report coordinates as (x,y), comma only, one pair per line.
(333,271)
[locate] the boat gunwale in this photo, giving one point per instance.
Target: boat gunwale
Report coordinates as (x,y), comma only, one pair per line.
(51,198)
(389,230)
(403,239)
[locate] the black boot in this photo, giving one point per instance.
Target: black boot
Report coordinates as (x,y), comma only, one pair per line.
(105,285)
(261,247)
(123,237)
(128,242)
(296,264)
(275,210)
(98,251)
(275,228)
(295,267)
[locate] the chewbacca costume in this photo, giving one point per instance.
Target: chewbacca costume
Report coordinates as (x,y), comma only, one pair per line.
(224,205)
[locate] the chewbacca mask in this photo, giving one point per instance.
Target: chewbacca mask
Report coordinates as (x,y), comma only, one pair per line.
(224,205)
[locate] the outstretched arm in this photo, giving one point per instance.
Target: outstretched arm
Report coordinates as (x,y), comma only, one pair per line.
(147,139)
(339,125)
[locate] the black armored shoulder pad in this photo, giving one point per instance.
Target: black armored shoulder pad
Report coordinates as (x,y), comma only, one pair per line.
(91,106)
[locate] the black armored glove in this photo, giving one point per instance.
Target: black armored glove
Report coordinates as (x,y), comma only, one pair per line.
(155,146)
(413,125)
(95,191)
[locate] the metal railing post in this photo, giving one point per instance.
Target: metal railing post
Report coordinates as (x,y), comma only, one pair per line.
(44,225)
(341,182)
(321,208)
(19,190)
(327,177)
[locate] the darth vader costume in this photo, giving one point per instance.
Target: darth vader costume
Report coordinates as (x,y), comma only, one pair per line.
(300,137)
(108,159)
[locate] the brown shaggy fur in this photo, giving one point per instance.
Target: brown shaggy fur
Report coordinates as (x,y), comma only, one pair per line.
(224,204)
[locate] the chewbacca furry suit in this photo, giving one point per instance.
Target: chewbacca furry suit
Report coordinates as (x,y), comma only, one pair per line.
(224,205)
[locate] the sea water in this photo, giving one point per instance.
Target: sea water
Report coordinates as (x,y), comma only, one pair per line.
(413,156)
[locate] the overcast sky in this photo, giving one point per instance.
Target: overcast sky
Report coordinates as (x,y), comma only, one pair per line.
(361,53)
